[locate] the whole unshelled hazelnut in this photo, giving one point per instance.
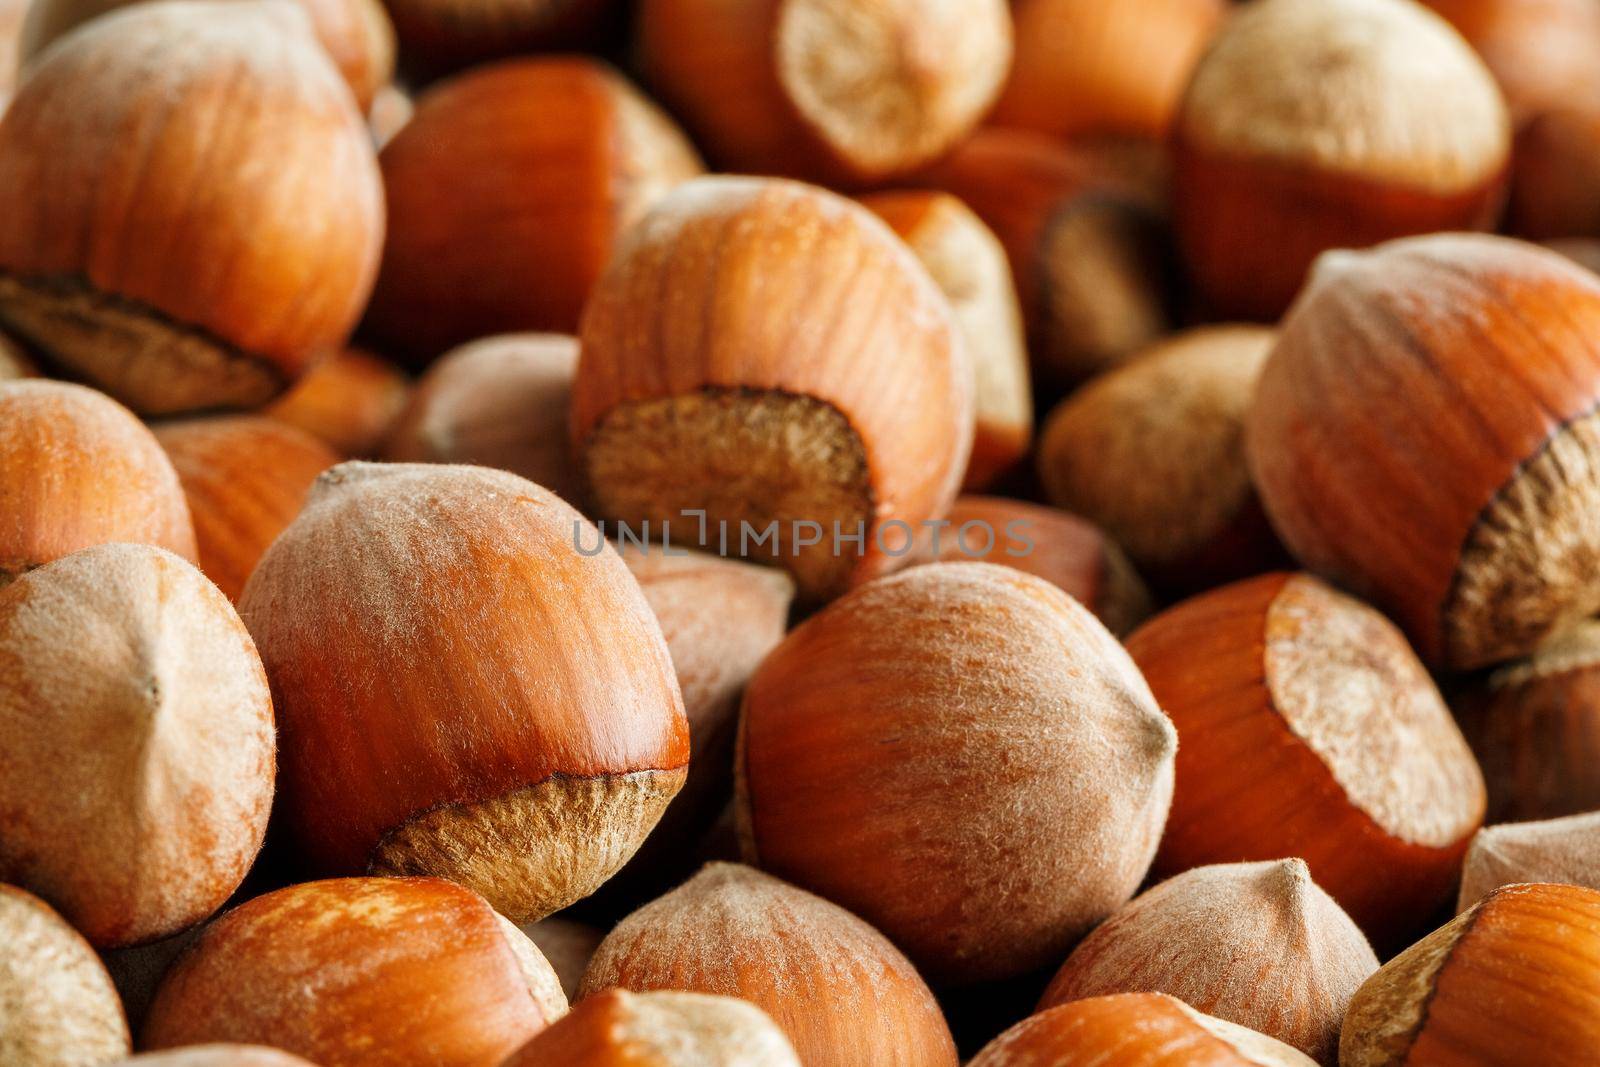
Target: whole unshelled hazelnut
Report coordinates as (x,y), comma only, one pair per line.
(568,946)
(1544,53)
(1133,1030)
(959,732)
(76,470)
(57,1005)
(1257,944)
(1424,433)
(1535,726)
(348,401)
(1510,981)
(1154,451)
(1070,553)
(1565,850)
(136,759)
(1318,124)
(218,1056)
(663,1029)
(355,33)
(246,477)
(1307,727)
(1555,175)
(843,995)
(170,292)
(440,36)
(500,402)
(771,355)
(1103,67)
(969,265)
(853,92)
(361,972)
(507,191)
(1088,254)
(467,627)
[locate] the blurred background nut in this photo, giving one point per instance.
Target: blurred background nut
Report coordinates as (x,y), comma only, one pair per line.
(506,192)
(1555,175)
(621,1029)
(567,945)
(361,972)
(219,1056)
(1565,850)
(349,401)
(1318,124)
(76,470)
(57,1005)
(1154,452)
(14,362)
(236,254)
(1307,727)
(441,36)
(1544,53)
(447,620)
(847,91)
(843,995)
(1257,944)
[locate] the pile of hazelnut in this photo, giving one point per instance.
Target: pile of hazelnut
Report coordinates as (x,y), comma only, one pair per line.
(1077,546)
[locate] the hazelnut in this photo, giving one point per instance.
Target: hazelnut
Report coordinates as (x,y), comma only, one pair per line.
(772,355)
(77,469)
(621,1029)
(12,15)
(1535,726)
(440,36)
(1423,434)
(714,653)
(361,971)
(133,699)
(1071,554)
(349,402)
(967,262)
(1153,450)
(843,91)
(1510,981)
(355,33)
(567,945)
(1544,53)
(1555,175)
(1257,944)
(57,1005)
(1565,850)
(1103,67)
(1308,728)
(500,402)
(246,478)
(219,1056)
(451,621)
(836,987)
(138,970)
(1317,124)
(1088,253)
(956,733)
(1135,1030)
(122,265)
(392,108)
(506,192)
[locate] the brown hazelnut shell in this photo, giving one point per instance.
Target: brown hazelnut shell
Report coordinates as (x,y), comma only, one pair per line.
(1555,175)
(438,37)
(617,1028)
(14,362)
(507,191)
(348,401)
(172,293)
(840,991)
(430,617)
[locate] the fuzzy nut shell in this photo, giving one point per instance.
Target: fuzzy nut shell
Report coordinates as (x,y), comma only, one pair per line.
(171,292)
(348,401)
(132,698)
(961,732)
(1257,944)
(361,972)
(246,478)
(58,1007)
(76,470)
(1473,356)
(218,1056)
(842,993)
(507,191)
(1133,1030)
(664,1029)
(469,626)
(770,352)
(1512,980)
(1565,850)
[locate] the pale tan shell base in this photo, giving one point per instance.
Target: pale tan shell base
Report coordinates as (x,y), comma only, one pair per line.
(1386,1015)
(535,850)
(742,456)
(151,364)
(1531,565)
